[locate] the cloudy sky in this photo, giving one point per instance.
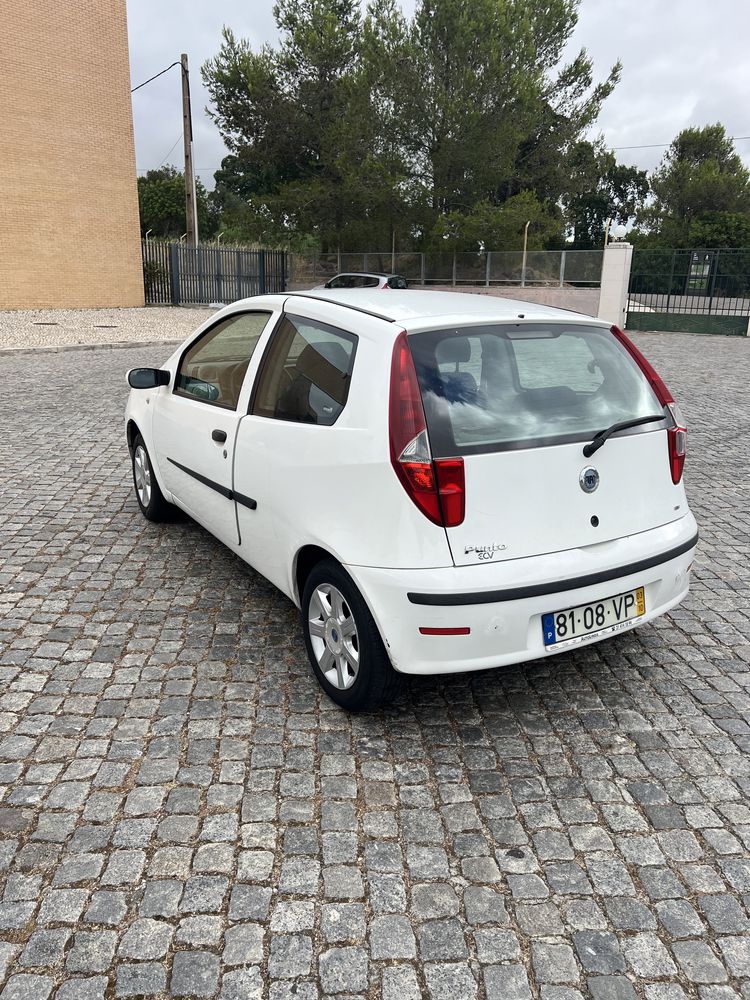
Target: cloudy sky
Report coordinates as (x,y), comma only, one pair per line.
(685,62)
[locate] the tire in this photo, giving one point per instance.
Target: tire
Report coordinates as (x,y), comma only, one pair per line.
(343,643)
(150,498)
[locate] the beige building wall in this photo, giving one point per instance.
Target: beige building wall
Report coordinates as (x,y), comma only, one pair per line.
(69,229)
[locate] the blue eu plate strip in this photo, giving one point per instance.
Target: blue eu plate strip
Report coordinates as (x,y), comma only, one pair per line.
(548,629)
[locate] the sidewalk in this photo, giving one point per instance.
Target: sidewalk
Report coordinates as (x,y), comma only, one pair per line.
(61,329)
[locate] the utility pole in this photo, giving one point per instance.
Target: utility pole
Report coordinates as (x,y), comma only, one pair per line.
(191,207)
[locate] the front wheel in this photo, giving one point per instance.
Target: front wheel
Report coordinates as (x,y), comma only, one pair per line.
(150,498)
(343,644)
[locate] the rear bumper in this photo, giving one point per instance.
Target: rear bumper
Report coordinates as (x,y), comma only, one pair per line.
(502,603)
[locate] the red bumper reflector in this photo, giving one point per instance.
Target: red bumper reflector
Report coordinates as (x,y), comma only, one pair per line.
(444,631)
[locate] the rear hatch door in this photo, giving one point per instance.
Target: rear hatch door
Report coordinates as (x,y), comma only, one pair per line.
(518,402)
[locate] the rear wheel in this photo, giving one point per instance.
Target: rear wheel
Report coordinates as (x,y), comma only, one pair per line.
(343,644)
(150,498)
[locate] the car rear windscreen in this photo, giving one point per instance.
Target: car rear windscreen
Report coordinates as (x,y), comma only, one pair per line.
(493,388)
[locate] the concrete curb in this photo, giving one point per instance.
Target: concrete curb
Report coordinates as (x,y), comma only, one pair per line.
(110,345)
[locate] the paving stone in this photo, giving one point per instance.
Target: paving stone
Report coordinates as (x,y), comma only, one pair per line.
(553,963)
(45,947)
(247,984)
(391,937)
(107,908)
(484,906)
(195,974)
(92,951)
(539,919)
(647,956)
(27,986)
(400,983)
(92,988)
(146,939)
(507,981)
(724,914)
(435,900)
(698,962)
(342,882)
(495,945)
(629,914)
(441,940)
(679,918)
(343,970)
(448,981)
(599,951)
(736,952)
(243,944)
(200,932)
(161,899)
(610,988)
(291,956)
(144,979)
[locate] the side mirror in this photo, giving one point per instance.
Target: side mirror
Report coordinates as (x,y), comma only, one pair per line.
(147,378)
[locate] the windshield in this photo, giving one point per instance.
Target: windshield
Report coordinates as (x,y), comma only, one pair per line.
(493,388)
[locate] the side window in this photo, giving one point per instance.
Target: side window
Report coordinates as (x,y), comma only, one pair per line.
(549,362)
(213,369)
(306,372)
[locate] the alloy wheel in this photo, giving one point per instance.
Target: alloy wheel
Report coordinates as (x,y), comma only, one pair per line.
(333,635)
(142,475)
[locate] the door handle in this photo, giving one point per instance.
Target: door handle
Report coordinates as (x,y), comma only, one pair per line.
(219,436)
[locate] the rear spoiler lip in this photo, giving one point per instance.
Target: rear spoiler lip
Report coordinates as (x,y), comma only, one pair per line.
(558,586)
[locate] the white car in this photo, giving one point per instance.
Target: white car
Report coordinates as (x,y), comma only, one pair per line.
(366,279)
(440,481)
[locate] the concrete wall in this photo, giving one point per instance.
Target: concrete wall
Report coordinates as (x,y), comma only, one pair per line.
(69,229)
(582,300)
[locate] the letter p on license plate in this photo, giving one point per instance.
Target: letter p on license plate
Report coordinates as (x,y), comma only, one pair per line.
(605,617)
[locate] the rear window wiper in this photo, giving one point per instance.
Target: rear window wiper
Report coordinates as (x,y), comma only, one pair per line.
(601,437)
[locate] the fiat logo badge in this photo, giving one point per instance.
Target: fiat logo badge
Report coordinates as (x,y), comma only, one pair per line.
(589,480)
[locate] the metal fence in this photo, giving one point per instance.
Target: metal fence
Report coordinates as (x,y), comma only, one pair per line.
(581,268)
(177,274)
(701,291)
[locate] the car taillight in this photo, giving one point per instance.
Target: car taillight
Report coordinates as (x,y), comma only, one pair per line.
(435,486)
(677,435)
(677,438)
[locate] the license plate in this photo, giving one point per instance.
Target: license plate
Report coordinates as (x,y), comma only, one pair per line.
(565,628)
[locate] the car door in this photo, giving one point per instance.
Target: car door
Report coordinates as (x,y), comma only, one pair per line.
(289,446)
(195,421)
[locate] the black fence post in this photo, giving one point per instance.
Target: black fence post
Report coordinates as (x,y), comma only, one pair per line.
(174,273)
(715,268)
(261,272)
(219,276)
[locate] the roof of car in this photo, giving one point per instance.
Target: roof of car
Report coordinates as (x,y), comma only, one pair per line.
(417,307)
(364,274)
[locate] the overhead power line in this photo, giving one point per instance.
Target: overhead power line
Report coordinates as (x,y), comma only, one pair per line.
(161,73)
(648,145)
(659,145)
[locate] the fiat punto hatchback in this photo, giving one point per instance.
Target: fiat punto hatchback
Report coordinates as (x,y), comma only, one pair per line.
(440,481)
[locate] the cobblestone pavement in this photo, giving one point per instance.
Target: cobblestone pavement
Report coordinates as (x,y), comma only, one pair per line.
(184,814)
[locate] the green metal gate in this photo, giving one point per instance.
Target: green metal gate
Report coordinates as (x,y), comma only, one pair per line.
(692,291)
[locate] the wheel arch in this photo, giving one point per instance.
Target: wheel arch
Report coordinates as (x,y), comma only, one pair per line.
(132,431)
(304,561)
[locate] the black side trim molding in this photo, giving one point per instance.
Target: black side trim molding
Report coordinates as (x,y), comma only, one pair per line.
(244,501)
(217,487)
(540,589)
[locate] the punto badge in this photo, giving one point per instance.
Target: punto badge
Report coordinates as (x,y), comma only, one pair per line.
(589,480)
